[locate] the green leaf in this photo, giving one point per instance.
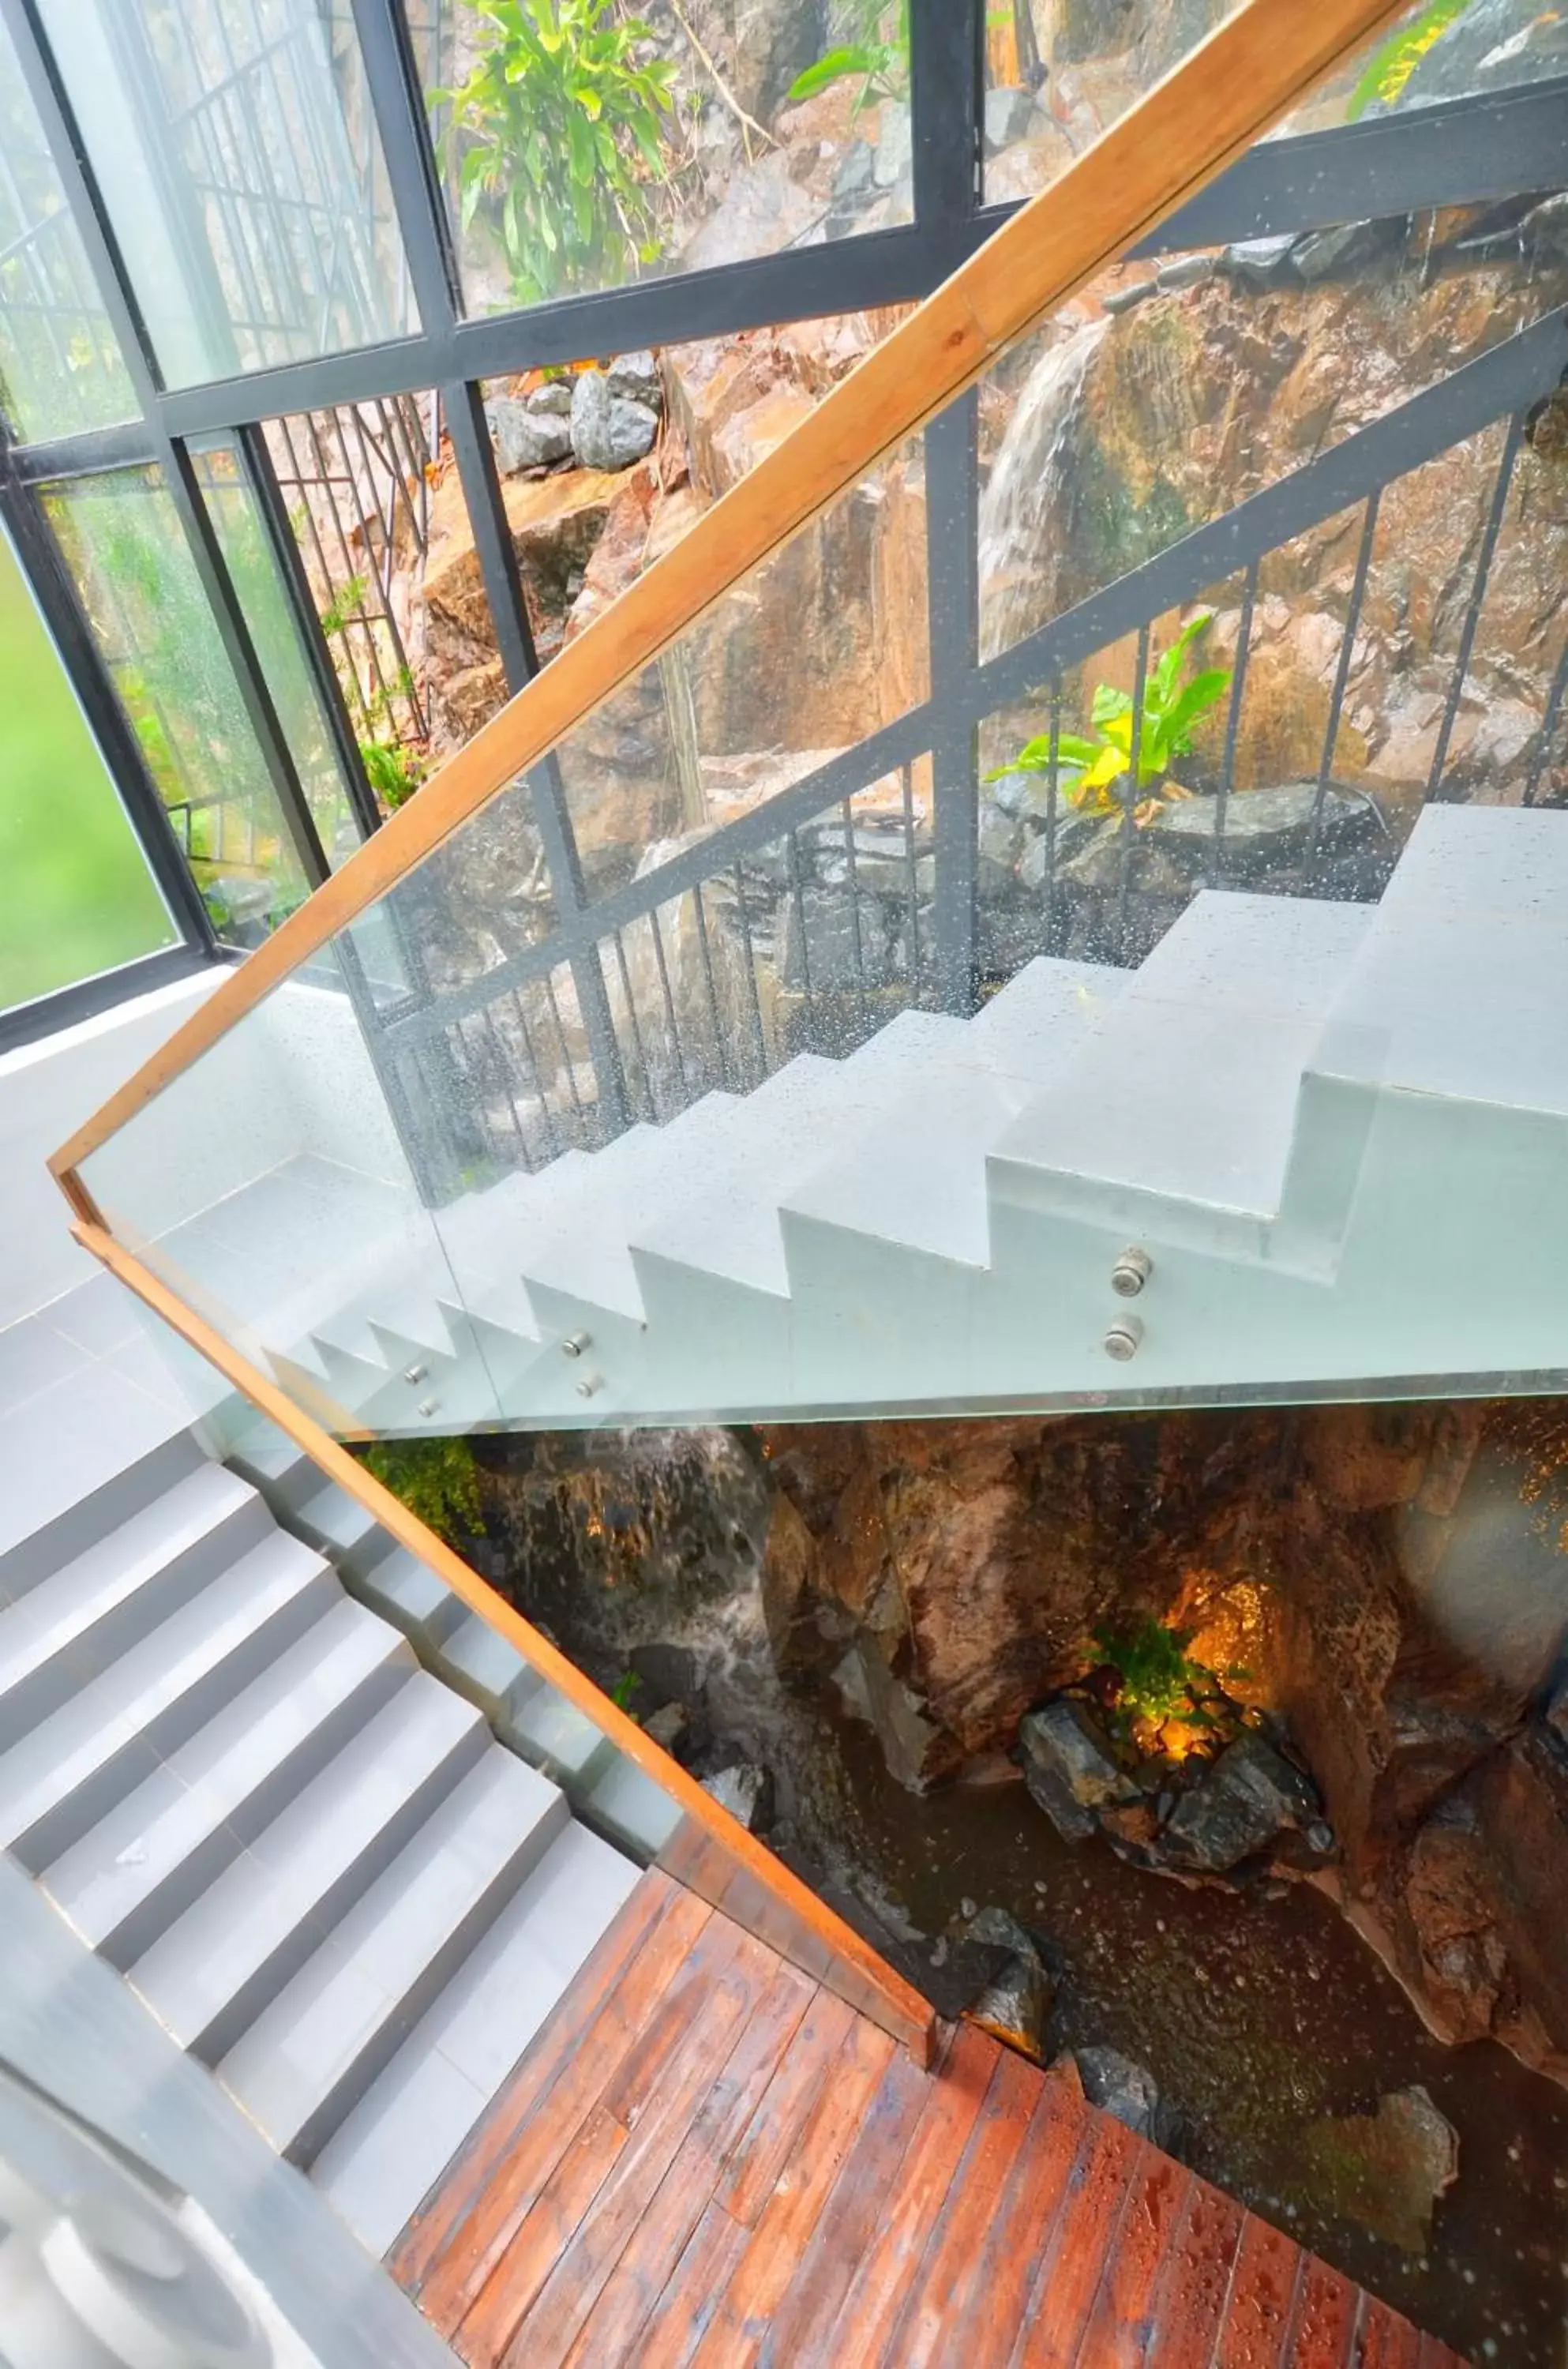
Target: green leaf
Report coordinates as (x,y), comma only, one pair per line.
(1108,702)
(857,59)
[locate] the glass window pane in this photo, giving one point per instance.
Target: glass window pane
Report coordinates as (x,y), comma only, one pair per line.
(1060,71)
(61,368)
(259,582)
(239,162)
(138,584)
(634,146)
(76,897)
(1438,49)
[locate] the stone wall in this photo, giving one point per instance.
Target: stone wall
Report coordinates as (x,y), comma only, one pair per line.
(1392,1579)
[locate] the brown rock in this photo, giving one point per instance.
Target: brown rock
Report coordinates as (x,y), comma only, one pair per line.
(1386,2171)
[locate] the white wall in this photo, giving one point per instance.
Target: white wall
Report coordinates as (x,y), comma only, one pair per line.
(46,1090)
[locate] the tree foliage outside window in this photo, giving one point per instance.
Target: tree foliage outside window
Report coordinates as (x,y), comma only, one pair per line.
(555,140)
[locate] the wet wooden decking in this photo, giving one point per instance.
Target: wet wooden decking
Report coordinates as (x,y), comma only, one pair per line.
(706,2160)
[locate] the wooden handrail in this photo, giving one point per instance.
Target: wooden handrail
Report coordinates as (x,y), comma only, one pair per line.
(883,1993)
(1179,135)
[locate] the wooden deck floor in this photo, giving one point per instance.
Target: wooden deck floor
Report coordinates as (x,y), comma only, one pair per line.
(706,2160)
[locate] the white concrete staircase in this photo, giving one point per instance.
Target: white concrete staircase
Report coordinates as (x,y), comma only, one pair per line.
(312,1859)
(1329,1128)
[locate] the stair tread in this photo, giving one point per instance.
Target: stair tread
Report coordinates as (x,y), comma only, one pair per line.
(576,1242)
(51,1630)
(1186,1087)
(116,1715)
(395,2144)
(725,1222)
(340,1831)
(1461,983)
(222,1782)
(549,1725)
(357,1998)
(919,1178)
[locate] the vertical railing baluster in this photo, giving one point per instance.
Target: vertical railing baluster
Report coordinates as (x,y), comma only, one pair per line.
(706,953)
(753,1001)
(498,1050)
(1342,671)
(1477,594)
(552,1137)
(912,877)
(668,1004)
(1053,795)
(635,1026)
(792,862)
(1129,795)
(1214,868)
(476,1091)
(1543,757)
(853,882)
(568,1063)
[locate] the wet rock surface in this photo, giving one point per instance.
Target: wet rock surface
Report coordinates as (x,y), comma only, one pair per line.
(1387,2170)
(1130,2093)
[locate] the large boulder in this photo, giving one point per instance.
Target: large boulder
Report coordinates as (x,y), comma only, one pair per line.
(1070,1769)
(1240,1807)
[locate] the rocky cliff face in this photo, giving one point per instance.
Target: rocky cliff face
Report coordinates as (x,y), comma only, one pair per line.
(1391,1580)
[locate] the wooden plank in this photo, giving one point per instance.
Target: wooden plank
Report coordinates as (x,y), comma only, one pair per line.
(879,1990)
(1385,2340)
(1177,137)
(934,2305)
(1022,2229)
(573,2089)
(1062,2298)
(850,2218)
(1324,2324)
(876,2292)
(1261,2299)
(676,2058)
(685,2311)
(694,2088)
(612,2320)
(761,2276)
(1189,2303)
(787,2104)
(478,2163)
(1122,2319)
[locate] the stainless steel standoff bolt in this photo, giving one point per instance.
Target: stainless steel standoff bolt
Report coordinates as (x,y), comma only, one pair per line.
(413,1373)
(576,1343)
(429,1406)
(1130,1273)
(589,1384)
(1124,1338)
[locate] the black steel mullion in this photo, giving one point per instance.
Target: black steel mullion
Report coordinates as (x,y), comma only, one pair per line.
(470,433)
(392,77)
(1212,870)
(218,588)
(1477,594)
(946,78)
(1341,671)
(952,558)
(1129,799)
(257,462)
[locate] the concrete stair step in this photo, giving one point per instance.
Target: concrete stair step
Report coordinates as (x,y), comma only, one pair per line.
(139,1483)
(396,2144)
(70,1628)
(409,1594)
(218,1966)
(146,1863)
(308,2059)
(72,1768)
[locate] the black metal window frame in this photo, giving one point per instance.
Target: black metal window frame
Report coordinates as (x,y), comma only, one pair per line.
(1462,150)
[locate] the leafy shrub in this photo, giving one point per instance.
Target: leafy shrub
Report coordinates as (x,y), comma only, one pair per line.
(556,134)
(1159,1680)
(881,65)
(1088,768)
(1391,67)
(393,773)
(438,1479)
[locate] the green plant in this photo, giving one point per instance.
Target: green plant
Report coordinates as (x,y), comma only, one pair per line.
(1159,1680)
(393,773)
(343,604)
(881,65)
(557,134)
(625,1691)
(438,1479)
(1391,65)
(1088,768)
